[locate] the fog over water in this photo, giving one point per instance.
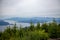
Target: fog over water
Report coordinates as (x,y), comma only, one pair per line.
(17,24)
(2,28)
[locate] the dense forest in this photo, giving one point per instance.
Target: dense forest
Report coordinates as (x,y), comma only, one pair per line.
(45,31)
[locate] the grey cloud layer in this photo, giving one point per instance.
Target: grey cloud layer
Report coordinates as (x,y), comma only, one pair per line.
(30,8)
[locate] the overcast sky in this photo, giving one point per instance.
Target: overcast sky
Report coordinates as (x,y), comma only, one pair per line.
(30,8)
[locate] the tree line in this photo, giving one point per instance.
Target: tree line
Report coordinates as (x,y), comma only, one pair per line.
(38,32)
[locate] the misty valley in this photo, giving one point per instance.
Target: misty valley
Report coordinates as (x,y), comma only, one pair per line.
(37,28)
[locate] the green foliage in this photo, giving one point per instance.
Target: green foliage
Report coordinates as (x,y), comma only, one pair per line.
(45,27)
(58,31)
(0,35)
(38,32)
(52,29)
(38,26)
(39,35)
(31,26)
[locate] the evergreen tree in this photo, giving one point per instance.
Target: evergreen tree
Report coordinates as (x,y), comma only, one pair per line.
(0,35)
(52,29)
(31,26)
(21,31)
(38,26)
(58,31)
(45,27)
(14,30)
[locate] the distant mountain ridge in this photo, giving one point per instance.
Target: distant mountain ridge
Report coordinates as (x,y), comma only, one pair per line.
(2,23)
(33,19)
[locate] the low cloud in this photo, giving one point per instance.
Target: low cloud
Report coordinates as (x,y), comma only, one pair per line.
(30,8)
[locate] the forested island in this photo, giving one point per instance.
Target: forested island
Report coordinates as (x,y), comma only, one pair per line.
(46,31)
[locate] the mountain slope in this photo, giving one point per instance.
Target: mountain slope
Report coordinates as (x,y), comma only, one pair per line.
(34,19)
(2,23)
